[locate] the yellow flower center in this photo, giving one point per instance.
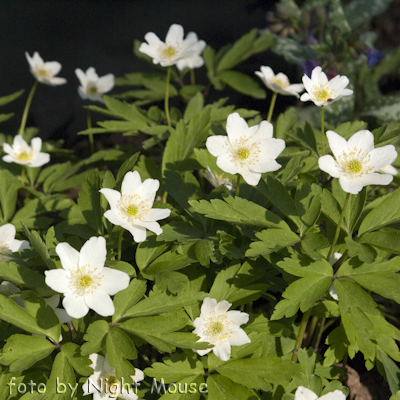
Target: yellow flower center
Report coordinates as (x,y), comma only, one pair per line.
(84,280)
(217,328)
(281,81)
(92,89)
(243,153)
(133,207)
(354,166)
(170,51)
(355,163)
(24,155)
(323,93)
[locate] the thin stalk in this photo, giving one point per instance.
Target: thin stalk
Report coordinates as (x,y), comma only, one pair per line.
(23,175)
(89,126)
(237,185)
(121,234)
(166,102)
(72,331)
(311,330)
(323,130)
(321,329)
(335,238)
(300,335)
(272,106)
(26,110)
(192,78)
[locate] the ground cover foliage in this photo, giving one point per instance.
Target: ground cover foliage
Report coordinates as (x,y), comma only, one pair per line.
(314,267)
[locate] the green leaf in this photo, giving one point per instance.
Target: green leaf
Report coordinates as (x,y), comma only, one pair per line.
(286,121)
(120,348)
(81,364)
(22,351)
(127,298)
(272,240)
(164,303)
(62,383)
(95,337)
(364,252)
(9,186)
(337,339)
(255,372)
(362,11)
(303,266)
(235,283)
(221,388)
(126,167)
(194,107)
(386,239)
(276,193)
(173,281)
(89,201)
(239,211)
(242,83)
(148,250)
(175,368)
(11,97)
(392,372)
(293,51)
(128,112)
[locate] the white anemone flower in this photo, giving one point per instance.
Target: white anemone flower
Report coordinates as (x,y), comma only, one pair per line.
(248,151)
(132,207)
(174,48)
(84,280)
(323,92)
(92,87)
(279,83)
(45,72)
(220,327)
(302,393)
(357,163)
(23,154)
(8,243)
(389,169)
(104,385)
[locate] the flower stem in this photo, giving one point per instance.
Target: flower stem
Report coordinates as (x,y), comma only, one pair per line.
(121,234)
(26,110)
(166,102)
(300,335)
(23,175)
(192,78)
(272,106)
(237,185)
(335,238)
(323,130)
(89,126)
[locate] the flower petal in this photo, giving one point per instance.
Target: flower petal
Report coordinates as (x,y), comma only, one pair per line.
(53,66)
(7,233)
(362,140)
(236,127)
(113,197)
(382,156)
(93,253)
(337,143)
(100,302)
(69,257)
(113,280)
(57,279)
(106,83)
(81,76)
(75,306)
(217,145)
(130,183)
(175,34)
(336,395)
(329,165)
(353,186)
(222,351)
(302,393)
(238,338)
(39,160)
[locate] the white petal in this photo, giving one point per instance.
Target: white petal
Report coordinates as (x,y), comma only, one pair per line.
(113,280)
(302,393)
(388,169)
(236,127)
(362,140)
(222,351)
(222,307)
(114,216)
(382,156)
(138,233)
(106,83)
(81,76)
(329,165)
(10,159)
(208,306)
(239,338)
(100,302)
(174,34)
(19,245)
(93,253)
(113,197)
(353,186)
(69,257)
(130,183)
(375,179)
(55,81)
(7,233)
(147,190)
(156,214)
(251,178)
(39,160)
(53,66)
(217,145)
(238,317)
(225,163)
(19,142)
(265,130)
(336,395)
(139,375)
(75,306)
(57,279)
(306,97)
(149,225)
(337,143)
(7,148)
(332,292)
(91,75)
(36,144)
(202,352)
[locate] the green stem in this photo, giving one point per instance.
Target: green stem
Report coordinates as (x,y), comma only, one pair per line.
(311,330)
(192,79)
(323,130)
(121,234)
(272,106)
(335,238)
(89,126)
(26,110)
(166,102)
(237,184)
(23,175)
(300,335)
(321,329)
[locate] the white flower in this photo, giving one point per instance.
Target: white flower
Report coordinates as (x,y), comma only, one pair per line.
(332,290)
(279,83)
(61,314)
(23,154)
(92,87)
(323,92)
(131,208)
(104,385)
(84,280)
(174,49)
(45,72)
(218,180)
(220,327)
(247,151)
(8,243)
(302,393)
(357,162)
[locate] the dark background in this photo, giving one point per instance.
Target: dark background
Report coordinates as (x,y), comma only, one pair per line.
(99,33)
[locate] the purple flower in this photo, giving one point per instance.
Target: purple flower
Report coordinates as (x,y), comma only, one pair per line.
(308,66)
(373,57)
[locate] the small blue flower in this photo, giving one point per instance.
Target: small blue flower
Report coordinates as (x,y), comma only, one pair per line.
(373,57)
